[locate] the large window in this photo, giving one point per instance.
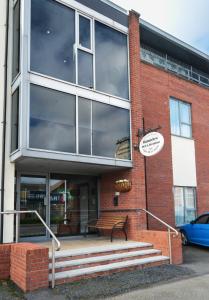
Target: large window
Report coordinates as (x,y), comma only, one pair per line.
(111,131)
(53,39)
(52,120)
(111,55)
(16,40)
(76,53)
(180,118)
(15,121)
(185,204)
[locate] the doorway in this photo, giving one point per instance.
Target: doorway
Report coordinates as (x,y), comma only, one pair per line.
(65,202)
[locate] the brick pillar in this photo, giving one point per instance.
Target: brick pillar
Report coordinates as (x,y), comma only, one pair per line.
(29,266)
(5,250)
(131,201)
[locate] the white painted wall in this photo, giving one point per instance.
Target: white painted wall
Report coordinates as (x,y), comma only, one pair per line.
(183,160)
(8,226)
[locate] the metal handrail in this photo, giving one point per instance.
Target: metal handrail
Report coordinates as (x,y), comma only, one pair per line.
(54,238)
(170,228)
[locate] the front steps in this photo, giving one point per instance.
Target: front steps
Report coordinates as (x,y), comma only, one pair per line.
(77,264)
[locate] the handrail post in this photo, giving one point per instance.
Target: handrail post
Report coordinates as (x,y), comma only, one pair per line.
(17,228)
(170,246)
(53,264)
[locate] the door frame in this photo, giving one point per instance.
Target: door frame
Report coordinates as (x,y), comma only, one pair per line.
(18,182)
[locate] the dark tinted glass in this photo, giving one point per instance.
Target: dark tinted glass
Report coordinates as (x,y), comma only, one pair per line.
(52,120)
(85,69)
(53,39)
(111,131)
(84,32)
(202,220)
(15,121)
(111,61)
(84,125)
(16,40)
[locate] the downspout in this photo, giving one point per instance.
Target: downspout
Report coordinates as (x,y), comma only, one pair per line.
(4,119)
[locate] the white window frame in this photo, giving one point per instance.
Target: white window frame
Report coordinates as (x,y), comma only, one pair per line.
(179,117)
(28,77)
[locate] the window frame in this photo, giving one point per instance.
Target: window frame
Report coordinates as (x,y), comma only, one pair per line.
(180,123)
(194,189)
(93,16)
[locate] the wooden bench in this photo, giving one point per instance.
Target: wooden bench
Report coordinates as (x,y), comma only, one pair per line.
(112,223)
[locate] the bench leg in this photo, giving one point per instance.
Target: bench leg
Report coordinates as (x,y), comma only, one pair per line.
(125,234)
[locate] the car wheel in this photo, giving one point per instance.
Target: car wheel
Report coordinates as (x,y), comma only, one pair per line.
(184,238)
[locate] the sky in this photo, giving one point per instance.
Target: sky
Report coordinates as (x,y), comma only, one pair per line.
(187,20)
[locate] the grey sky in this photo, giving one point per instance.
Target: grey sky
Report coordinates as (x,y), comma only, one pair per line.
(185,19)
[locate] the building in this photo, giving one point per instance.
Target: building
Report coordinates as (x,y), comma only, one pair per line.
(80,80)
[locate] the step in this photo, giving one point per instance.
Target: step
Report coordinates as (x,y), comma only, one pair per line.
(111,247)
(78,274)
(103,259)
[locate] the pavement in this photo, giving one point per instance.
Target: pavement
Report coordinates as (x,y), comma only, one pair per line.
(169,282)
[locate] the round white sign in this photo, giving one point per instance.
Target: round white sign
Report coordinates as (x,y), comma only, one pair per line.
(151,144)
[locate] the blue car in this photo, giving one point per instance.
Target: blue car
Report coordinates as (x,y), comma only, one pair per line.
(197,232)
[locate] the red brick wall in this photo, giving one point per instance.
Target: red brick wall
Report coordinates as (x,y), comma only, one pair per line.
(5,261)
(134,199)
(159,239)
(29,266)
(157,86)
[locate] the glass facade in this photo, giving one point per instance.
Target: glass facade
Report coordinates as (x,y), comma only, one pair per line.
(65,51)
(15,121)
(185,204)
(53,40)
(111,131)
(84,123)
(180,118)
(111,59)
(52,120)
(16,40)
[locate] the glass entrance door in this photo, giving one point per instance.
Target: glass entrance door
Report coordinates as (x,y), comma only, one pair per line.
(73,202)
(33,196)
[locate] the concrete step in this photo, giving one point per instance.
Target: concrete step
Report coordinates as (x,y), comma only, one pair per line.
(112,248)
(107,269)
(103,259)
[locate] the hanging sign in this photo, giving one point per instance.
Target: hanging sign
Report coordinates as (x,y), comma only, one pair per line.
(151,144)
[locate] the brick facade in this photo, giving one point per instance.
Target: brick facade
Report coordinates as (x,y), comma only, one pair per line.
(157,86)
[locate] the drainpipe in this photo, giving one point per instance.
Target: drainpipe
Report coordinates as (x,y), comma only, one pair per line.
(4,119)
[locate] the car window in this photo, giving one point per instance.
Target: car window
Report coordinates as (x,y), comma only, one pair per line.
(202,220)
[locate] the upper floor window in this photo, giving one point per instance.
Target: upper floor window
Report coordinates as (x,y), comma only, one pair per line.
(16,40)
(72,47)
(180,118)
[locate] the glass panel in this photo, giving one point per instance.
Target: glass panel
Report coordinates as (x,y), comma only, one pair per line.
(111,131)
(15,121)
(73,203)
(111,54)
(185,110)
(174,117)
(52,120)
(32,197)
(84,126)
(84,32)
(53,39)
(85,69)
(190,205)
(186,130)
(16,40)
(179,205)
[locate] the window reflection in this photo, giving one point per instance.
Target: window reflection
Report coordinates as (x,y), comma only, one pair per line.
(85,69)
(15,120)
(53,39)
(84,32)
(16,40)
(52,120)
(111,131)
(111,56)
(84,123)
